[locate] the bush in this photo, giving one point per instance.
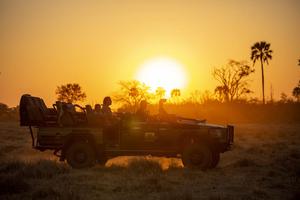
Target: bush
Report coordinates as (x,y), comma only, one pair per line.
(245,162)
(40,169)
(52,193)
(12,184)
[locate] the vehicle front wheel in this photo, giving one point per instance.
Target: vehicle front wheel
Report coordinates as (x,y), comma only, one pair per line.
(80,155)
(197,156)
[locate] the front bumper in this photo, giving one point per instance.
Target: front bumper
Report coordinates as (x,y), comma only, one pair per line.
(230,134)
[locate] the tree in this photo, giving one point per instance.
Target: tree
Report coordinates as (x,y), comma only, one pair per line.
(131,93)
(175,95)
(261,52)
(3,108)
(283,98)
(160,93)
(296,92)
(198,97)
(233,80)
(70,93)
(175,92)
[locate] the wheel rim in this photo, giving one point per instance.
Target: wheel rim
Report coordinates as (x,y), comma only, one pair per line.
(196,158)
(80,157)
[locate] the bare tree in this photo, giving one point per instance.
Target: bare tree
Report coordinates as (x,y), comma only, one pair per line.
(131,93)
(233,80)
(70,93)
(261,51)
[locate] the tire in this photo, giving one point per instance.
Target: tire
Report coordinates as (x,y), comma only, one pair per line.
(215,160)
(80,155)
(197,156)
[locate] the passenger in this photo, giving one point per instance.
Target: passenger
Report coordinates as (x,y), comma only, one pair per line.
(142,112)
(110,128)
(97,109)
(89,110)
(106,111)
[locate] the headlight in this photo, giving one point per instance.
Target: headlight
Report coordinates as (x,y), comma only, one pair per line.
(217,133)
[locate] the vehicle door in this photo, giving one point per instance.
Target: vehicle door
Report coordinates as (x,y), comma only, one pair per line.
(167,137)
(139,135)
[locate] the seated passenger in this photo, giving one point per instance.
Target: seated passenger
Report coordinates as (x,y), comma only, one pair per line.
(106,111)
(97,109)
(110,127)
(142,113)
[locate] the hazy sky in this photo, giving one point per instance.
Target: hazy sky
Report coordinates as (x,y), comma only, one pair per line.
(97,43)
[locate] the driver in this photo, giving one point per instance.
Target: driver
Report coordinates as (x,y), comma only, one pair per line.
(142,113)
(161,111)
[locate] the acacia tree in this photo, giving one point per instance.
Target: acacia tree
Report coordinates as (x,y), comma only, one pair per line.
(160,92)
(296,92)
(233,80)
(261,51)
(131,93)
(70,93)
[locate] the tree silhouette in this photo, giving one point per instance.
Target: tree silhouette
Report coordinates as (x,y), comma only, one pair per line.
(131,93)
(232,79)
(160,93)
(296,92)
(3,108)
(198,97)
(70,93)
(175,95)
(261,51)
(175,92)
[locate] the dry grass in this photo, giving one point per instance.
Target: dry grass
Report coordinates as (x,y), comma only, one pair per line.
(264,164)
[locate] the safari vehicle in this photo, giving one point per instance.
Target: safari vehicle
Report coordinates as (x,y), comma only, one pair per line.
(82,139)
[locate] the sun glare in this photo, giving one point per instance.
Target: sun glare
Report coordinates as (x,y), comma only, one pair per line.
(162,72)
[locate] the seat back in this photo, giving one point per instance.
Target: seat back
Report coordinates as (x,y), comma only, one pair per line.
(34,112)
(30,111)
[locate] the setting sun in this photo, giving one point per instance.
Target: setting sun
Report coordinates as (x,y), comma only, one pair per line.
(162,72)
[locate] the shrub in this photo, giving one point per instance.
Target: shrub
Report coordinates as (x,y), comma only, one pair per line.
(39,169)
(12,184)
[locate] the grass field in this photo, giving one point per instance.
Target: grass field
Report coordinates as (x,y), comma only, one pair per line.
(264,164)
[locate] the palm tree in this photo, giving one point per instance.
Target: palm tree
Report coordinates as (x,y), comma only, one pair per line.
(261,51)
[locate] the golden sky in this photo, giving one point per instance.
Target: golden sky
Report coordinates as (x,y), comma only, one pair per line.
(97,43)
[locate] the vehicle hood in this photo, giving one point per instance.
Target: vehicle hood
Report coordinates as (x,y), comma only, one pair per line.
(197,123)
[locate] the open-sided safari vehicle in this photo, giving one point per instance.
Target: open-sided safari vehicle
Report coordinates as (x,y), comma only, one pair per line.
(83,139)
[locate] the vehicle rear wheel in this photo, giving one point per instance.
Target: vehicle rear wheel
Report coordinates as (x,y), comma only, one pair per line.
(197,156)
(80,155)
(215,160)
